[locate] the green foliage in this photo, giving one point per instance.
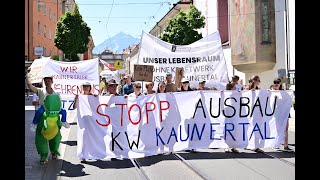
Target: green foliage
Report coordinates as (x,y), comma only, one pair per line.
(182,30)
(72,34)
(56,57)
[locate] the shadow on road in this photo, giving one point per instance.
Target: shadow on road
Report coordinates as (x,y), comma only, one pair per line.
(72,170)
(117,164)
(69,143)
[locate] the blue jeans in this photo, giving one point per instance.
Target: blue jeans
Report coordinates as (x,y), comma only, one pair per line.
(41,110)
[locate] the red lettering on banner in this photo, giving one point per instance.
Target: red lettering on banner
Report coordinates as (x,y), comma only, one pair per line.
(163,109)
(56,87)
(109,120)
(121,115)
(72,69)
(149,110)
(64,69)
(135,123)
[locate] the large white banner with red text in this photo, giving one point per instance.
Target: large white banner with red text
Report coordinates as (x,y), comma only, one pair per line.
(68,76)
(114,126)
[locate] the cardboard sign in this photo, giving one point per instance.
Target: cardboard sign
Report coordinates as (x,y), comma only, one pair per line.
(37,68)
(143,73)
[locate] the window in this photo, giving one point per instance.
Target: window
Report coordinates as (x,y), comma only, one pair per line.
(39,27)
(44,31)
(50,34)
(44,9)
(49,13)
(44,51)
(265,21)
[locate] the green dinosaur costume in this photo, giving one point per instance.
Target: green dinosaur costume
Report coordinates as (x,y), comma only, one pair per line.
(48,128)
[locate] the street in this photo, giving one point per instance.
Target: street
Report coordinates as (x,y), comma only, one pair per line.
(204,164)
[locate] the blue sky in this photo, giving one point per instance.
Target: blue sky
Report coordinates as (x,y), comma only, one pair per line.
(128,16)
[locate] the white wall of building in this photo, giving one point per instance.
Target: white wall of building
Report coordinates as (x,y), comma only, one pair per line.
(291,33)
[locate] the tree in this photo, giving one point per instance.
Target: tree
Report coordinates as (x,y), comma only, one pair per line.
(182,30)
(72,35)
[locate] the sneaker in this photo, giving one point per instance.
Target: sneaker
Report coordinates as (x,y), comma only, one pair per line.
(258,150)
(286,148)
(190,150)
(234,150)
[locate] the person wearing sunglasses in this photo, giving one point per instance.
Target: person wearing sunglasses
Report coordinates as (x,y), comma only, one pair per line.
(277,85)
(185,85)
(136,91)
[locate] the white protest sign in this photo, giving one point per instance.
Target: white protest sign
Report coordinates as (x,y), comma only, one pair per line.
(202,60)
(36,69)
(68,76)
(110,127)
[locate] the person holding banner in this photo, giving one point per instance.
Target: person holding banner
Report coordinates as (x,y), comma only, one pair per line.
(86,90)
(149,87)
(128,87)
(278,86)
(254,85)
(137,91)
(185,85)
(161,87)
(112,87)
(42,93)
(170,86)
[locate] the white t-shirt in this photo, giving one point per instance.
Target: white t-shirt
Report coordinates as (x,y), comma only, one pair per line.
(134,95)
(35,98)
(238,87)
(42,94)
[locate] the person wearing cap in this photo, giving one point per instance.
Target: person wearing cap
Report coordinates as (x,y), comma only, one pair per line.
(202,85)
(185,85)
(112,87)
(170,86)
(128,87)
(86,90)
(42,93)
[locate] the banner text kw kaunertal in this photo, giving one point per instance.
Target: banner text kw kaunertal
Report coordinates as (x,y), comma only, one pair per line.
(228,108)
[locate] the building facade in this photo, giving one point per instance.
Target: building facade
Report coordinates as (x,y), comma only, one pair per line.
(260,38)
(41,21)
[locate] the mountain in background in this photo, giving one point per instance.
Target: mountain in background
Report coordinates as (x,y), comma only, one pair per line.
(116,43)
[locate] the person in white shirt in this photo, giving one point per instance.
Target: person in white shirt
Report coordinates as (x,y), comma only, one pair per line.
(136,91)
(42,93)
(235,79)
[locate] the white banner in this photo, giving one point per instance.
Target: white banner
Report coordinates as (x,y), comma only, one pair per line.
(202,60)
(68,76)
(111,127)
